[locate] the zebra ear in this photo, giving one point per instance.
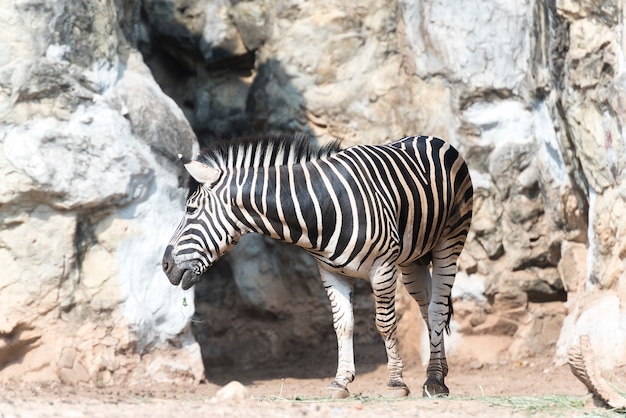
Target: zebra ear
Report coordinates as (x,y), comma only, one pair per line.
(202,173)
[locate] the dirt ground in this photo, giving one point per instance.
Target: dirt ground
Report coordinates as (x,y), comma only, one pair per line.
(485,391)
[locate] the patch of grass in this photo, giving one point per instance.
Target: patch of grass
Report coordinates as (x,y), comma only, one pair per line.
(620,387)
(534,404)
(557,405)
(549,405)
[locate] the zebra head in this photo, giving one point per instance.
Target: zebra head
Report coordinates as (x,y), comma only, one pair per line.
(204,234)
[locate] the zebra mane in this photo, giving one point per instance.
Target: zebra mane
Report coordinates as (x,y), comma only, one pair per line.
(264,152)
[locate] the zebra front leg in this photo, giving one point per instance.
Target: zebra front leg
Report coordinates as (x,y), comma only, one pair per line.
(384,288)
(340,290)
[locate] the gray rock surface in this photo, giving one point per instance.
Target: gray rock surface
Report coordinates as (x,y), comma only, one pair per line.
(90,191)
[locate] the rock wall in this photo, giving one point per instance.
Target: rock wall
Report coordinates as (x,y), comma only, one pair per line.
(90,192)
(593,109)
(531,93)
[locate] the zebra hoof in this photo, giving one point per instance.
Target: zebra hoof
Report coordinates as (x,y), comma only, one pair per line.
(338,391)
(434,387)
(398,390)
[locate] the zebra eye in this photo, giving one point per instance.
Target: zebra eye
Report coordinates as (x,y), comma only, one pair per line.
(191,210)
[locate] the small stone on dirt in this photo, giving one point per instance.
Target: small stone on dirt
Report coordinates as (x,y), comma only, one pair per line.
(233,391)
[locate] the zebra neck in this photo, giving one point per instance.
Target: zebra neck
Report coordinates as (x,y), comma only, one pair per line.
(264,200)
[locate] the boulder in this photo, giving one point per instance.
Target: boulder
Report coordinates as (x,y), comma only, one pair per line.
(233,391)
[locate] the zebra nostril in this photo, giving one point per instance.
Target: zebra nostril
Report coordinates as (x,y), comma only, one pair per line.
(167,262)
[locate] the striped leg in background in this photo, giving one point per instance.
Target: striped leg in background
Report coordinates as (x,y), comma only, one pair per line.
(434,307)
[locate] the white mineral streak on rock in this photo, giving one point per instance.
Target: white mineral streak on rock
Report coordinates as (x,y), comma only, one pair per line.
(469,287)
(97,154)
(482,45)
(549,151)
(501,123)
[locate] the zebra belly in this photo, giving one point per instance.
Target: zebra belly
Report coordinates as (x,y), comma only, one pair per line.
(356,268)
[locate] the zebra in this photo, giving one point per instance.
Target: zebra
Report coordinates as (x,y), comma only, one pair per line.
(384,213)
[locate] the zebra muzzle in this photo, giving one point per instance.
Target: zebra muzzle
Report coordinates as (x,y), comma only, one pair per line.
(189,279)
(177,274)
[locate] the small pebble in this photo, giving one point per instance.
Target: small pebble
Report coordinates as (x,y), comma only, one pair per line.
(234,391)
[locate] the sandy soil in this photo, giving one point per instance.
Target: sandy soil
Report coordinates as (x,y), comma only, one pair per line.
(305,397)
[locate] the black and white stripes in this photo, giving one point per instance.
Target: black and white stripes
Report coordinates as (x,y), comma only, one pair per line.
(382,213)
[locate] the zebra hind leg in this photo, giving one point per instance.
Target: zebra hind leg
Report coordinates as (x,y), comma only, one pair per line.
(339,290)
(440,311)
(418,282)
(384,288)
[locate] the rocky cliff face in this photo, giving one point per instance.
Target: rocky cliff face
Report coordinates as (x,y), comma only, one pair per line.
(532,94)
(90,192)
